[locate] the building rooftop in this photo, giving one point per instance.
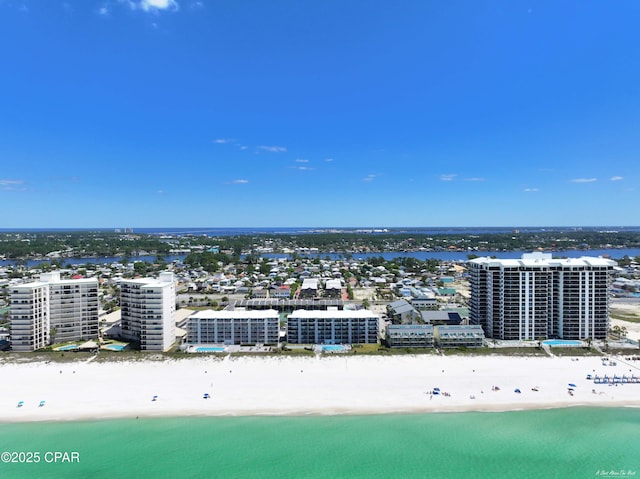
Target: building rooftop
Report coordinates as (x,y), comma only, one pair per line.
(338,314)
(533,260)
(235,314)
(409,327)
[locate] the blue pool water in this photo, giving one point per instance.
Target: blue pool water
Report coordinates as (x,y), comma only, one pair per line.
(70,347)
(115,347)
(209,350)
(333,347)
(562,342)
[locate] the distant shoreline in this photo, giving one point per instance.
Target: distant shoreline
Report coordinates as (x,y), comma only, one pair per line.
(441,255)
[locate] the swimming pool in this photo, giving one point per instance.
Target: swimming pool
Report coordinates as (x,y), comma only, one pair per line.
(115,347)
(69,347)
(562,342)
(209,350)
(332,348)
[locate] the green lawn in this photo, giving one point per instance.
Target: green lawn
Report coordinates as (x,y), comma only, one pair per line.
(575,352)
(493,352)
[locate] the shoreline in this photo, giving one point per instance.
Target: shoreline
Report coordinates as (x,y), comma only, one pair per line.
(317,386)
(310,414)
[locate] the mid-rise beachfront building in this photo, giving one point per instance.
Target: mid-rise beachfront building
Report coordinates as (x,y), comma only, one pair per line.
(233,327)
(459,336)
(148,308)
(410,335)
(541,297)
(332,326)
(53,310)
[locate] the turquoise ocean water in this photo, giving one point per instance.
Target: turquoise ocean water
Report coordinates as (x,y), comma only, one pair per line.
(558,443)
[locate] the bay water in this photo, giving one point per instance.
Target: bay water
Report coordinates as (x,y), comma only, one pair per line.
(563,443)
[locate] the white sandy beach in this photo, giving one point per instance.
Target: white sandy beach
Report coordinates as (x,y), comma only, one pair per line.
(296,386)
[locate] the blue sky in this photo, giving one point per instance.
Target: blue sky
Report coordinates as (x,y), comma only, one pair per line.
(223,113)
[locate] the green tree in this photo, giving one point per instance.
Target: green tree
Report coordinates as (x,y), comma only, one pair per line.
(140,268)
(265,268)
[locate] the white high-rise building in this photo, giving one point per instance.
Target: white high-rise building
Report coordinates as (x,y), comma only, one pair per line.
(148,309)
(29,316)
(53,310)
(541,297)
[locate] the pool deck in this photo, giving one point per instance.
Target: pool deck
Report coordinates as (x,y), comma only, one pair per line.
(225,349)
(563,343)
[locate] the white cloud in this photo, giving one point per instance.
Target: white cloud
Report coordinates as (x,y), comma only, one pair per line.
(152,5)
(104,11)
(616,178)
(273,149)
(149,5)
(19,6)
(369,177)
(303,168)
(474,179)
(531,190)
(583,180)
(300,160)
(222,141)
(12,185)
(448,177)
(329,160)
(238,182)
